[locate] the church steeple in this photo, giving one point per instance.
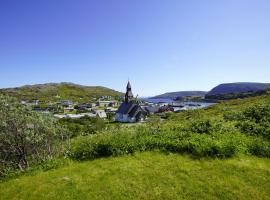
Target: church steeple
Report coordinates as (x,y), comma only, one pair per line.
(128,95)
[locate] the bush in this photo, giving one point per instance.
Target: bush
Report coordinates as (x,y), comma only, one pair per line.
(201,126)
(260,147)
(83,126)
(120,142)
(26,137)
(254,120)
(102,145)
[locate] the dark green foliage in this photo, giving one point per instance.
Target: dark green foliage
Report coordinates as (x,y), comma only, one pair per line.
(201,126)
(111,116)
(142,139)
(260,147)
(83,126)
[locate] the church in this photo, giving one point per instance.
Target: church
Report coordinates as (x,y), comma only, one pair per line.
(130,110)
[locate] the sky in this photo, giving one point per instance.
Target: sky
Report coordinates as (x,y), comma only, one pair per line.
(159,45)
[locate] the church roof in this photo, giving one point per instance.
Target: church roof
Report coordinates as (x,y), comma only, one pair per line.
(126,107)
(130,108)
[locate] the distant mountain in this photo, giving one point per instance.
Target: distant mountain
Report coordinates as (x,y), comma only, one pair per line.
(228,88)
(173,95)
(56,91)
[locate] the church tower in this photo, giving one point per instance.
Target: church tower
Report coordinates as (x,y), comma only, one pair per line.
(130,111)
(128,95)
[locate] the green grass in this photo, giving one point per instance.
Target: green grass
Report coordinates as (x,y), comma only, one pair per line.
(148,175)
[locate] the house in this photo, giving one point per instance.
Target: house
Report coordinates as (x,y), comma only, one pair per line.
(101,114)
(105,97)
(68,109)
(83,107)
(110,110)
(92,105)
(66,103)
(106,103)
(166,109)
(130,110)
(151,109)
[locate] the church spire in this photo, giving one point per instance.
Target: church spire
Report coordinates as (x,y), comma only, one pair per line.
(129,85)
(128,95)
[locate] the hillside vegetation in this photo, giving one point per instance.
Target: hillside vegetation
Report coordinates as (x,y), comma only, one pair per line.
(55,91)
(220,152)
(225,130)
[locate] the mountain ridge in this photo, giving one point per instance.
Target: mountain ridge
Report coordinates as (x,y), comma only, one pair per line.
(172,95)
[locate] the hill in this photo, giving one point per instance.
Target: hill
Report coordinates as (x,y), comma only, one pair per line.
(228,91)
(148,175)
(173,95)
(227,88)
(56,91)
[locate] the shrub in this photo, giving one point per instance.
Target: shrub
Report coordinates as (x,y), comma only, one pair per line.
(83,126)
(260,147)
(201,126)
(145,138)
(102,145)
(254,120)
(26,137)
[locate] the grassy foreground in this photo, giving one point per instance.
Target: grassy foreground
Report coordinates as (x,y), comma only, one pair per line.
(148,175)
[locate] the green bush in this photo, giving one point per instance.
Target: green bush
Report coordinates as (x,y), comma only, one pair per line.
(142,139)
(260,147)
(26,137)
(201,126)
(254,120)
(83,126)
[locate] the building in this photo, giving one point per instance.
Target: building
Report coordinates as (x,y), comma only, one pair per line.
(66,103)
(130,110)
(101,103)
(151,109)
(101,114)
(83,107)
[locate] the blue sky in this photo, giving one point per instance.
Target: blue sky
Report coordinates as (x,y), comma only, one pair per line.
(160,45)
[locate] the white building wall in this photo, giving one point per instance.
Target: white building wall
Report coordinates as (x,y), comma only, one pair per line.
(124,118)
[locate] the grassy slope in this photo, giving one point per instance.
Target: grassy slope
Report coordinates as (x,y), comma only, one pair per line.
(147,176)
(217,111)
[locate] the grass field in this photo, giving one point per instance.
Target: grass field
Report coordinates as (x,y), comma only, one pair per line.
(148,175)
